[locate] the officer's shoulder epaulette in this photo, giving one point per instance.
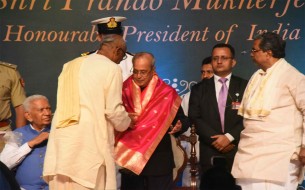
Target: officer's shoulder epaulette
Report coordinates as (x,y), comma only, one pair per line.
(12,66)
(87,53)
(129,53)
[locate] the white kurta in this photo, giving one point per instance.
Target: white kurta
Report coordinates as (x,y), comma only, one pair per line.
(268,144)
(79,150)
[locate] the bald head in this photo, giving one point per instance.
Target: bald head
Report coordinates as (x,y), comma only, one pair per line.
(144,55)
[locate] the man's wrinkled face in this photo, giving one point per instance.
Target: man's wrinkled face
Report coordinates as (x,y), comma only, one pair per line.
(142,71)
(39,114)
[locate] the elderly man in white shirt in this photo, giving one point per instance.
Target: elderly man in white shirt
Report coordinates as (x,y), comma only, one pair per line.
(271,153)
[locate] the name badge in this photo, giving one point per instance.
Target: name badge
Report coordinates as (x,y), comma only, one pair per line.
(235,105)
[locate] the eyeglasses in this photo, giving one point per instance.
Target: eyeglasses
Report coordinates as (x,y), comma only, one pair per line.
(142,73)
(255,50)
(124,53)
(222,58)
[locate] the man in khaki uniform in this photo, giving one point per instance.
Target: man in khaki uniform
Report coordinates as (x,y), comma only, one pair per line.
(11,91)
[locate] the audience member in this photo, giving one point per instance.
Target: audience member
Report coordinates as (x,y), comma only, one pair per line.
(89,108)
(213,110)
(145,152)
(271,152)
(25,148)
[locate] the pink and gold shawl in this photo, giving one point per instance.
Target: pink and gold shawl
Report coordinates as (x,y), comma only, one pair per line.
(157,105)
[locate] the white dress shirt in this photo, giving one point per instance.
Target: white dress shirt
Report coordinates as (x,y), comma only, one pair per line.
(13,154)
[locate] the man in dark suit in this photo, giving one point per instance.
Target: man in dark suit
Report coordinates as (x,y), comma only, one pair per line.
(213,109)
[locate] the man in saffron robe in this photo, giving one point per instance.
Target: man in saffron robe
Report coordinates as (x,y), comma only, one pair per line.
(145,151)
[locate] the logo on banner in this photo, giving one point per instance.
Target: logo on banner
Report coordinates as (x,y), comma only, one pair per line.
(181,86)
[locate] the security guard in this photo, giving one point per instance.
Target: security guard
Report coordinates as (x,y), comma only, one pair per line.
(112,25)
(11,91)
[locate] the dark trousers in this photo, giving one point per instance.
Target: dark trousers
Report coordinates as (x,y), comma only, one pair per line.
(135,182)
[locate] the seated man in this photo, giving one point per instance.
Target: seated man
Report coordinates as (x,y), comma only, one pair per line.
(25,147)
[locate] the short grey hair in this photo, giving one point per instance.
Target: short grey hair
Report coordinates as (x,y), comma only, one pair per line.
(113,39)
(107,38)
(27,102)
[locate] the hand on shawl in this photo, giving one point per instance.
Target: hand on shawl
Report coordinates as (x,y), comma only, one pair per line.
(38,139)
(134,118)
(302,156)
(220,142)
(177,128)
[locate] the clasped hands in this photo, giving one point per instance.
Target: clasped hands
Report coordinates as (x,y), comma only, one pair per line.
(176,128)
(222,143)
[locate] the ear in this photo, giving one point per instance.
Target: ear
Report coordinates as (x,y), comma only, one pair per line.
(117,50)
(233,62)
(28,116)
(99,37)
(154,69)
(269,53)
